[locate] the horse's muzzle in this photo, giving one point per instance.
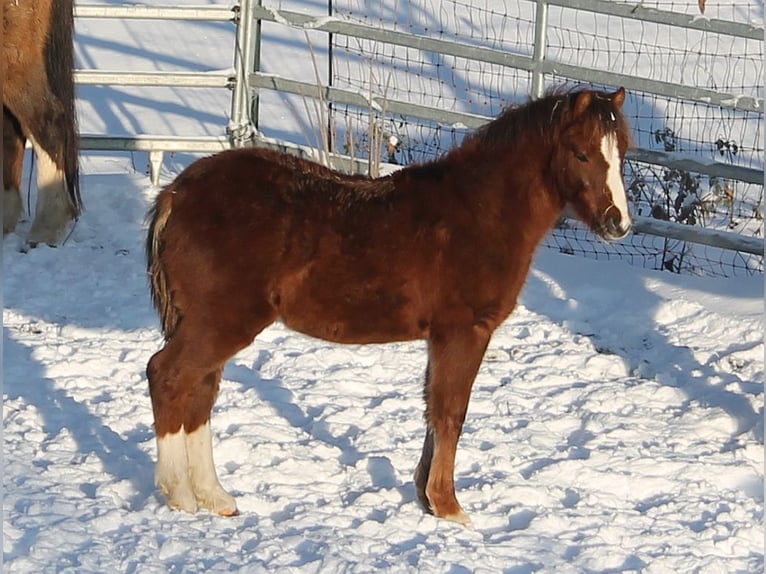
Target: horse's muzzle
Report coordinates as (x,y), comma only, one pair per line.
(614,228)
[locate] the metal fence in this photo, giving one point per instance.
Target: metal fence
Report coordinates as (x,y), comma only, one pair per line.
(157,145)
(427,72)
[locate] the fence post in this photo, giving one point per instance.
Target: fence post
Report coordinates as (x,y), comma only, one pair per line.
(541,25)
(247,59)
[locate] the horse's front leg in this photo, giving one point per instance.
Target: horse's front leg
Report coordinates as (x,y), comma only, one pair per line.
(454,358)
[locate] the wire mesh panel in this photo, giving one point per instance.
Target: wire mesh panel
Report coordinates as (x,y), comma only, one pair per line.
(427,78)
(590,40)
(711,109)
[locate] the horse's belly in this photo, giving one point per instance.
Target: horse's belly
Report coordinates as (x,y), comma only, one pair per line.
(353,313)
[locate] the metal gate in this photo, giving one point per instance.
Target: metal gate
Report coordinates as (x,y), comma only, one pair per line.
(247,81)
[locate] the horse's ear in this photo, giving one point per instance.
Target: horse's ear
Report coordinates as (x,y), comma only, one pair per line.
(582,102)
(619,97)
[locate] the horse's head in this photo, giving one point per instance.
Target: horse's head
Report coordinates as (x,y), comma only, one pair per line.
(587,164)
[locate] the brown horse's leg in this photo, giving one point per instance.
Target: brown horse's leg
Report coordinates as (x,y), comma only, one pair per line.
(454,358)
(13,163)
(42,118)
(170,383)
(183,383)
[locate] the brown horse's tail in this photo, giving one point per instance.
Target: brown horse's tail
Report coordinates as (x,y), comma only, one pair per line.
(59,64)
(158,279)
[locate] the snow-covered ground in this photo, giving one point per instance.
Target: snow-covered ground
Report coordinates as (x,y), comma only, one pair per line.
(616,423)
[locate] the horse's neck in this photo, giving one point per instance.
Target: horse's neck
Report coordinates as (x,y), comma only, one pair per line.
(516,182)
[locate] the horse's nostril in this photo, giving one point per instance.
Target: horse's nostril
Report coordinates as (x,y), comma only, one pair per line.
(614,225)
(617,229)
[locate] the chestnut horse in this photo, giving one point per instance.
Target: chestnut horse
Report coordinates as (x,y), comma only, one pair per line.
(39,105)
(438,251)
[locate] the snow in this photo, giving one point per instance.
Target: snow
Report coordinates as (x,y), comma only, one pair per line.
(616,423)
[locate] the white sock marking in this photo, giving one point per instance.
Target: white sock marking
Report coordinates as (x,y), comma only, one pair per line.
(54,209)
(208,490)
(199,446)
(172,473)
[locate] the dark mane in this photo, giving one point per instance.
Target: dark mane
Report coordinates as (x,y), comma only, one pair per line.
(545,117)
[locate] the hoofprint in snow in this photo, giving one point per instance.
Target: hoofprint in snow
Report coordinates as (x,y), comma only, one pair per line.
(616,424)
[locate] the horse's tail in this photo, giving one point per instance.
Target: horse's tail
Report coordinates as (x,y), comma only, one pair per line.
(158,280)
(59,65)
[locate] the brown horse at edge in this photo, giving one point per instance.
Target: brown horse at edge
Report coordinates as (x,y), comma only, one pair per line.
(39,105)
(438,251)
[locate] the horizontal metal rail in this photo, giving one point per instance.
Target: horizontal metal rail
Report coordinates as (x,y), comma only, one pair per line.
(697,165)
(493,56)
(214,79)
(461,120)
(667,18)
(355,98)
(211,13)
(149,143)
(156,147)
(700,235)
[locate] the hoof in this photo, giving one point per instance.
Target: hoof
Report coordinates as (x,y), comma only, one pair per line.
(460,517)
(218,501)
(183,504)
(180,497)
(228,512)
(50,238)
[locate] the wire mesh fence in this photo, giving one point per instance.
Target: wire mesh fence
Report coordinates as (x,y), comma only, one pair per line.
(701,59)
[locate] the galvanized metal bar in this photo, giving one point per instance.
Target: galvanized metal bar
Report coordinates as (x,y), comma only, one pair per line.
(211,13)
(462,120)
(458,120)
(697,165)
(489,55)
(216,79)
(446,47)
(150,143)
(646,85)
(541,39)
(700,235)
(244,103)
(638,11)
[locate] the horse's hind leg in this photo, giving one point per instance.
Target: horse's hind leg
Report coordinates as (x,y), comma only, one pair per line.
(183,383)
(43,120)
(183,387)
(199,447)
(454,358)
(170,382)
(54,209)
(13,163)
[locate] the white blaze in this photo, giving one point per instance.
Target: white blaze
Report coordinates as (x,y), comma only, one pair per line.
(614,183)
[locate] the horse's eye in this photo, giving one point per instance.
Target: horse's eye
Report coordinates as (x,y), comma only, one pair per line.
(581,157)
